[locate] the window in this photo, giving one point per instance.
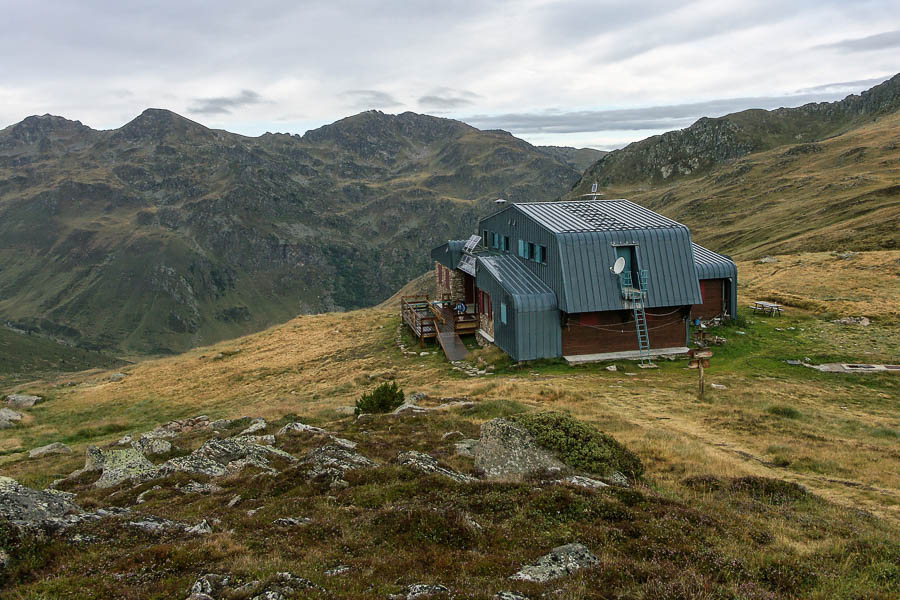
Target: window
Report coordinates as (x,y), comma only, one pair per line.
(541,256)
(531,251)
(505,243)
(484,238)
(522,249)
(503,312)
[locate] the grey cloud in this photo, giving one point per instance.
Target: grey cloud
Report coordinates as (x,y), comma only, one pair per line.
(845,86)
(879,41)
(631,119)
(223,105)
(447,98)
(363,99)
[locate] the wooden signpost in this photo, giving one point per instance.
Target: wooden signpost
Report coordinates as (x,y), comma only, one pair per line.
(700,360)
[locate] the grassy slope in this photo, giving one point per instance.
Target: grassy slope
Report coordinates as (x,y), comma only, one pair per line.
(843,192)
(25,357)
(835,434)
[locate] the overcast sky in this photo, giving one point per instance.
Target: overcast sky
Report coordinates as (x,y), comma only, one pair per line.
(587,73)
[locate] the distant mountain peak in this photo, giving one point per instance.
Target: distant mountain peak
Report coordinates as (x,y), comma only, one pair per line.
(36,127)
(157,123)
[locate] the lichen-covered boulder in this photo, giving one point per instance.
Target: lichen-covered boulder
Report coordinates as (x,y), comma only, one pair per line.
(151,446)
(508,450)
(126,464)
(26,506)
(562,560)
(22,400)
(9,418)
(217,457)
(328,463)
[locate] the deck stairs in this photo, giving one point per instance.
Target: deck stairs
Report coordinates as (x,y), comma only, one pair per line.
(452,344)
(636,295)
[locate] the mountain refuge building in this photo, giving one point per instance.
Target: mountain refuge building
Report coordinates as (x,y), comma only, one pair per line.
(586,280)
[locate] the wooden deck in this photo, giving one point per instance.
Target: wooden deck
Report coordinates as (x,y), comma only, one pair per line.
(428,318)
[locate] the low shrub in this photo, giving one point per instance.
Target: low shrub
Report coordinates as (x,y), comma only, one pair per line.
(788,412)
(580,445)
(385,398)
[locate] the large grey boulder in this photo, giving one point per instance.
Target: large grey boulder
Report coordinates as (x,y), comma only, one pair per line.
(218,457)
(22,400)
(562,560)
(298,427)
(26,506)
(213,586)
(256,425)
(508,451)
(9,418)
(54,448)
(424,463)
(420,591)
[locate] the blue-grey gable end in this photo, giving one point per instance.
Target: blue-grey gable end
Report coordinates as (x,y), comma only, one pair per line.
(532,329)
(712,265)
(448,253)
(581,246)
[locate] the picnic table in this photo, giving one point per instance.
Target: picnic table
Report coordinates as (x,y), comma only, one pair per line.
(769,308)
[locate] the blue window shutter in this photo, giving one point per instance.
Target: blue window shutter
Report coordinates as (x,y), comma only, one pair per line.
(522,248)
(503,312)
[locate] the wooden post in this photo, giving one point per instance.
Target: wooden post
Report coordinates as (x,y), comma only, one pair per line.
(701,380)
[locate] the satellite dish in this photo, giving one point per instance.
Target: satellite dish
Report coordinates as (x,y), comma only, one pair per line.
(619,266)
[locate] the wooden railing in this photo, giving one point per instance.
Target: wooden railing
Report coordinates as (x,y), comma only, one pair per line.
(416,313)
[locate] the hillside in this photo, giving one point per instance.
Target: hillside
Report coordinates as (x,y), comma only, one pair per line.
(781,484)
(791,187)
(164,234)
(24,357)
(577,158)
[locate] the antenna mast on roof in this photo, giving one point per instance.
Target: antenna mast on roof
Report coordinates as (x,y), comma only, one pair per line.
(594,193)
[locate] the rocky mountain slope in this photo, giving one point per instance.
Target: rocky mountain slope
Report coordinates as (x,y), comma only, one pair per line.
(819,177)
(164,234)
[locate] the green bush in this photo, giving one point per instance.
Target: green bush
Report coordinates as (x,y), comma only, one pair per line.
(385,398)
(788,412)
(580,445)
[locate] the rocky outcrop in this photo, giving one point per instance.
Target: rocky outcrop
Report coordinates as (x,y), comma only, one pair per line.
(420,591)
(257,425)
(54,448)
(22,400)
(152,446)
(424,463)
(218,457)
(284,585)
(25,506)
(507,450)
(562,560)
(328,463)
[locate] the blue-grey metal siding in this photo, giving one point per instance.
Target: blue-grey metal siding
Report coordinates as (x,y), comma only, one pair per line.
(578,262)
(532,328)
(711,265)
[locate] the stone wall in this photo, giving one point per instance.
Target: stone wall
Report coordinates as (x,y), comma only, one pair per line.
(449,281)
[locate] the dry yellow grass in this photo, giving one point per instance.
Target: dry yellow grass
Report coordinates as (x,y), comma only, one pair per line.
(314,364)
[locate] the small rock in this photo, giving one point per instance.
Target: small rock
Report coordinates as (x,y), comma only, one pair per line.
(584,482)
(201,528)
(451,434)
(292,521)
(423,463)
(612,368)
(509,596)
(416,397)
(562,560)
(256,425)
(718,386)
(22,400)
(142,497)
(338,570)
(117,377)
(9,418)
(193,487)
(768,259)
(408,408)
(419,591)
(299,428)
(345,410)
(234,500)
(54,448)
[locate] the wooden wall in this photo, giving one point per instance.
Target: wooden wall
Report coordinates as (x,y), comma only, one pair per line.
(613,331)
(713,291)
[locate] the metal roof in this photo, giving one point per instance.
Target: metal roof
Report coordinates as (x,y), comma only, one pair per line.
(528,293)
(448,253)
(711,265)
(594,215)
